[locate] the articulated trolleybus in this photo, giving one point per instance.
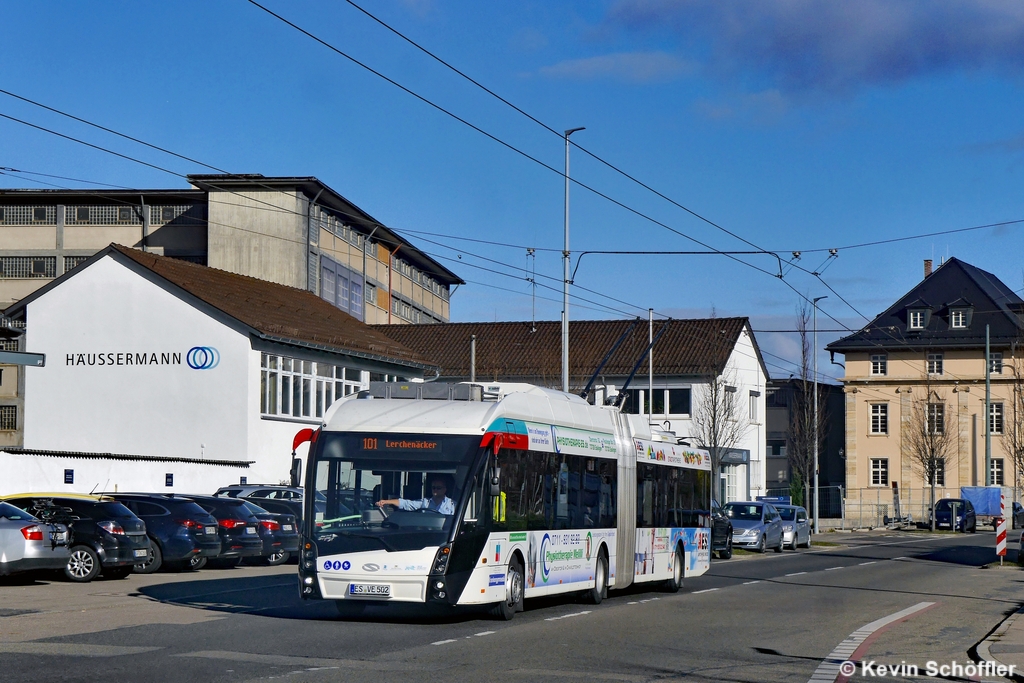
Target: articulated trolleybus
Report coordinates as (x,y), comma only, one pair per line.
(462,494)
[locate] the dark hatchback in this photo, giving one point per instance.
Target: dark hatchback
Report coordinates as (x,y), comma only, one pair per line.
(180,530)
(238,528)
(966,519)
(105,535)
(279,532)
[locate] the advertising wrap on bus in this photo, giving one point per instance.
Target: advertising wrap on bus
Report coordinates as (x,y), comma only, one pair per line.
(557,558)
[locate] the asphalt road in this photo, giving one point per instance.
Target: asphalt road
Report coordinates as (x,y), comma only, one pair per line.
(774,617)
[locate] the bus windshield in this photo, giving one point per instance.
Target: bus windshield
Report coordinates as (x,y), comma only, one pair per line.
(389,491)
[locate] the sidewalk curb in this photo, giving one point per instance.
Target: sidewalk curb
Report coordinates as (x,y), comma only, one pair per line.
(983,648)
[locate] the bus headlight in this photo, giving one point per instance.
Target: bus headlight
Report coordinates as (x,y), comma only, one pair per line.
(441,559)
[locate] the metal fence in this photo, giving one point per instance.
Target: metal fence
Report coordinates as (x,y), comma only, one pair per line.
(873,507)
(830,500)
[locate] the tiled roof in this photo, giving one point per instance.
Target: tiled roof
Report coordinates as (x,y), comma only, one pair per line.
(275,312)
(953,284)
(524,350)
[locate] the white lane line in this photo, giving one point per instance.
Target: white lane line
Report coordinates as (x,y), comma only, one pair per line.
(864,563)
(445,642)
(832,569)
(483,633)
(568,616)
(706,590)
(900,558)
(750,583)
(796,574)
(633,603)
(829,670)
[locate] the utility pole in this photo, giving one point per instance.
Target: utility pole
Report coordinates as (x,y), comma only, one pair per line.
(565,272)
(814,351)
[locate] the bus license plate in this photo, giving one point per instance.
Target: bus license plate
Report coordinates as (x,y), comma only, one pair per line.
(379,590)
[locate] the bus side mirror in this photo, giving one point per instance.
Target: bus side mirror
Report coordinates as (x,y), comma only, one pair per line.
(296,472)
(496,483)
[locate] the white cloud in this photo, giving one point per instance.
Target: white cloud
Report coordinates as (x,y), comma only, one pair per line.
(629,67)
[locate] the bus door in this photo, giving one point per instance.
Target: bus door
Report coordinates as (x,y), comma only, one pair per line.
(475,525)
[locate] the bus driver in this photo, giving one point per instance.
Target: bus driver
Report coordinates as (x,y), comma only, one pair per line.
(438,502)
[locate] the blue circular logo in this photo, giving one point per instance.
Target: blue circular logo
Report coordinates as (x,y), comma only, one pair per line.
(202,358)
(345,565)
(545,571)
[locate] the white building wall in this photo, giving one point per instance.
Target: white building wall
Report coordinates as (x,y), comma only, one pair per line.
(167,409)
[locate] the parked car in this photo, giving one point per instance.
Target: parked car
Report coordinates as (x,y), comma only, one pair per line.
(796,527)
(757,526)
(238,528)
(279,532)
(179,531)
(966,519)
(273,497)
(105,535)
(1017,515)
(27,543)
(721,532)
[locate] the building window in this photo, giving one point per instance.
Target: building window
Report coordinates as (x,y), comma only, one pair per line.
(879,418)
(995,363)
(995,472)
(918,320)
(19,267)
(302,388)
(880,471)
(371,294)
(958,318)
(934,363)
(39,213)
(995,418)
(8,418)
(879,364)
(82,214)
(679,401)
(754,396)
(939,467)
(936,418)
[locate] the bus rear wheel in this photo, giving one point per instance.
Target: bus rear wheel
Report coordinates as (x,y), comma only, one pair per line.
(600,590)
(676,582)
(513,602)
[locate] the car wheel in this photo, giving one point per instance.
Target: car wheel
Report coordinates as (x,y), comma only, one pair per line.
(83,565)
(278,557)
(513,602)
(153,562)
(727,553)
(600,590)
(115,573)
(196,562)
(762,545)
(676,582)
(778,548)
(974,527)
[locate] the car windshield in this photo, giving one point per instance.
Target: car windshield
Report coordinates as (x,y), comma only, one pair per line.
(256,509)
(741,511)
(946,505)
(12,513)
(788,514)
(422,475)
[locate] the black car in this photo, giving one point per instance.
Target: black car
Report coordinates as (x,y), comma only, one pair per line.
(273,497)
(721,532)
(279,532)
(238,527)
(105,535)
(179,530)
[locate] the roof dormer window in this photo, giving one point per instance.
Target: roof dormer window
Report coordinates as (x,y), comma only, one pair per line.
(959,318)
(918,319)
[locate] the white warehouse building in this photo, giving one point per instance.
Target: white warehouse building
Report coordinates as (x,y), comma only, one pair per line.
(163,375)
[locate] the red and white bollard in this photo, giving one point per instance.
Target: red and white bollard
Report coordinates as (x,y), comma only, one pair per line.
(1001,532)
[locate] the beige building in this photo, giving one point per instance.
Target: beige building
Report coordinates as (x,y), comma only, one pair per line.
(293,231)
(918,370)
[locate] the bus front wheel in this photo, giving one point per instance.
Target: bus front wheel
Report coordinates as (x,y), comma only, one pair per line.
(600,590)
(513,602)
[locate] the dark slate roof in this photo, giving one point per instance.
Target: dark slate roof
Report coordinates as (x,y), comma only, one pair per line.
(513,351)
(82,455)
(272,311)
(954,284)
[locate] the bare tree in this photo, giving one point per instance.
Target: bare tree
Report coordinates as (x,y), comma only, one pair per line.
(1014,419)
(717,417)
(929,440)
(800,454)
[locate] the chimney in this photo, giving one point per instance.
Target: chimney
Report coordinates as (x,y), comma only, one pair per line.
(927,267)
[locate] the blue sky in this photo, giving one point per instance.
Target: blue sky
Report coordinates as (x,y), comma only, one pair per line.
(796,125)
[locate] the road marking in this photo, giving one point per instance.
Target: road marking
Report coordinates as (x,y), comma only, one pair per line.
(900,558)
(832,569)
(864,563)
(483,633)
(633,603)
(73,649)
(305,662)
(568,616)
(706,590)
(444,642)
(857,643)
(650,600)
(750,583)
(796,574)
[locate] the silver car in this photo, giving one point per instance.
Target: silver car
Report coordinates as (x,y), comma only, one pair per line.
(756,526)
(796,528)
(27,543)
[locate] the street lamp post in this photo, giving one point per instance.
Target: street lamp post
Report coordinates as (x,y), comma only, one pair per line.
(814,351)
(565,272)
